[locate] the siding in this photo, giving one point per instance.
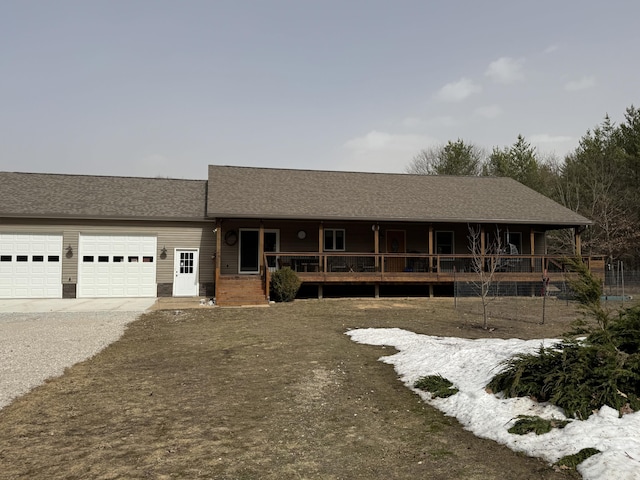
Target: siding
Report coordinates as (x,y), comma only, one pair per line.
(169,234)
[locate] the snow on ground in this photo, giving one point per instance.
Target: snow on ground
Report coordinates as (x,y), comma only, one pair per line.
(470,365)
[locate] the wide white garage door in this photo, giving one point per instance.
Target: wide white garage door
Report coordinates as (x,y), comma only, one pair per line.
(117,266)
(30,266)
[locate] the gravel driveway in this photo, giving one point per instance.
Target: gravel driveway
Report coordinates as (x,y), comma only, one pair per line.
(37,346)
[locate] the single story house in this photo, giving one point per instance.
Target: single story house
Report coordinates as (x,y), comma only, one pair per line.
(99,236)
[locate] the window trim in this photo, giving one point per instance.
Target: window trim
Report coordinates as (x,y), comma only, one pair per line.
(334,231)
(453,242)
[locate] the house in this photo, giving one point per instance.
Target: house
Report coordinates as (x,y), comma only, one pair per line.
(92,236)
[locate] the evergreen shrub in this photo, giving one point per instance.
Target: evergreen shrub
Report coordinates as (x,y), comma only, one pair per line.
(436,385)
(581,376)
(285,284)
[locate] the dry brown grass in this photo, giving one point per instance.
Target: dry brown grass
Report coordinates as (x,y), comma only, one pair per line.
(271,393)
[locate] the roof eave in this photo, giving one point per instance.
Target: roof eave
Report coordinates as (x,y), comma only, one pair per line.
(558,224)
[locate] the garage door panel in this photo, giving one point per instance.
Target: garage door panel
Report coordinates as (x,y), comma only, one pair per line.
(30,266)
(113,266)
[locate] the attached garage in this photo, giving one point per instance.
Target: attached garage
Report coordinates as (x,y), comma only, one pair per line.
(117,266)
(30,266)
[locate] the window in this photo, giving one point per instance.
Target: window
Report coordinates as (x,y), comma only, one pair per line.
(118,259)
(5,258)
(133,259)
(87,258)
(102,259)
(513,242)
(37,258)
(21,258)
(147,259)
(444,243)
(334,239)
(186,262)
(53,258)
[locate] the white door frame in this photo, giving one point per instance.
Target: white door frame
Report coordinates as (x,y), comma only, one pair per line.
(176,272)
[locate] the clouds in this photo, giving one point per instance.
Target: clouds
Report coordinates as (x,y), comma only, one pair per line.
(380,151)
(583,83)
(505,70)
(458,91)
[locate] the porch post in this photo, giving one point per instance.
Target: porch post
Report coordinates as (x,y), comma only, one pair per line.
(578,241)
(322,261)
(376,244)
(218,260)
(430,263)
(533,250)
(261,247)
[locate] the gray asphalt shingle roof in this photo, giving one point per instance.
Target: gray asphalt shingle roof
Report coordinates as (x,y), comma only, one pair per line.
(247,192)
(87,196)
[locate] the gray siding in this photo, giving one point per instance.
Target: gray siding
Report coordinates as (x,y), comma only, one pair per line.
(169,234)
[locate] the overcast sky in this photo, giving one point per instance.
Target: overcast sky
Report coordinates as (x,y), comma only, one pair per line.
(148,88)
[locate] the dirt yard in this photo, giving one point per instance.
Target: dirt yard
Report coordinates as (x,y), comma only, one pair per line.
(263,393)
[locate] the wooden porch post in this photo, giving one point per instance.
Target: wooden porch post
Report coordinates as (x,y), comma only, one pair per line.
(261,247)
(430,247)
(376,244)
(322,261)
(533,250)
(578,241)
(218,261)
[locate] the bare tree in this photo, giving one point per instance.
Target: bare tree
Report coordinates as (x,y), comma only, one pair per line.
(485,263)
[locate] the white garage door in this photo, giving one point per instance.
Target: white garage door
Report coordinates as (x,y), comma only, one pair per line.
(30,266)
(117,266)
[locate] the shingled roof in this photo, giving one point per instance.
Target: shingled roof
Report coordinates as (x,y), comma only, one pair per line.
(83,196)
(244,192)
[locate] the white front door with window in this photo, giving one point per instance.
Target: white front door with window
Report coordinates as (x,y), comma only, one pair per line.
(185,282)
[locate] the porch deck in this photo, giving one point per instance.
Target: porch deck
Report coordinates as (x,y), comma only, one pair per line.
(321,268)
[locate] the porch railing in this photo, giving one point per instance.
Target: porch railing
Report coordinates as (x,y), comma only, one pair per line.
(408,263)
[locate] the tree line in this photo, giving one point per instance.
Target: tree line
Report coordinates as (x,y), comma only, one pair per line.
(600,179)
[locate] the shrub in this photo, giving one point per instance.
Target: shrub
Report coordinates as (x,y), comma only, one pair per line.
(436,385)
(603,369)
(284,285)
(526,424)
(572,461)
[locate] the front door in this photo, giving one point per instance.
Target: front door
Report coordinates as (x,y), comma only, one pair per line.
(185,282)
(395,244)
(249,261)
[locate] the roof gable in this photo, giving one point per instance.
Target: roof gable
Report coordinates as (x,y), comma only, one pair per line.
(243,192)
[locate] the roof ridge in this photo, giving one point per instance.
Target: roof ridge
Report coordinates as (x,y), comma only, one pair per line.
(75,175)
(311,170)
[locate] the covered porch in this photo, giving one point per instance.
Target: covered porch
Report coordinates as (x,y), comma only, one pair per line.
(382,253)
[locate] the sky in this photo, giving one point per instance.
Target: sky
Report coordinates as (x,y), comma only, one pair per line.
(165,87)
(471,364)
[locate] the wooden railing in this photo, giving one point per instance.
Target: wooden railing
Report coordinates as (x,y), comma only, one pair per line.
(307,264)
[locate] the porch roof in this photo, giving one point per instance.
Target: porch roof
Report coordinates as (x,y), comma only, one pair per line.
(247,192)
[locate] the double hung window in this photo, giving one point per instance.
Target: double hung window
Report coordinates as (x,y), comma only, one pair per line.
(334,239)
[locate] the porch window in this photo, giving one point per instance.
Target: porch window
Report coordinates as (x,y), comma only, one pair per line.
(444,243)
(513,242)
(334,239)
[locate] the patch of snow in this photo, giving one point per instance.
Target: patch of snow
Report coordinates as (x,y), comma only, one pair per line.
(471,364)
